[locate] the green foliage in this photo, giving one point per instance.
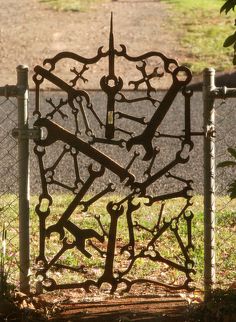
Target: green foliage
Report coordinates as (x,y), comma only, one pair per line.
(230,163)
(221,306)
(5,287)
(3,277)
(230,40)
(229,5)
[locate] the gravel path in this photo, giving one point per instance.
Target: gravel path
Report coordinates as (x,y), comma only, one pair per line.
(31,32)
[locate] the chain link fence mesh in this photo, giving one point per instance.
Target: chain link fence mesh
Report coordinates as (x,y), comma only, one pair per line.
(225,207)
(9,191)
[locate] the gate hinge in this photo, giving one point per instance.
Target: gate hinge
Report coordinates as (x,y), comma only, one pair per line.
(34,134)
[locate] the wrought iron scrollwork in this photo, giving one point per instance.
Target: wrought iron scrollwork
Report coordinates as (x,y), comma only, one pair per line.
(79,131)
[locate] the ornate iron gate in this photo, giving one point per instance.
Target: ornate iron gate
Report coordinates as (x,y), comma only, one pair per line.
(114,153)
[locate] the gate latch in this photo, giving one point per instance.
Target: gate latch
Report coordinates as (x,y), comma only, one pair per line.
(35,133)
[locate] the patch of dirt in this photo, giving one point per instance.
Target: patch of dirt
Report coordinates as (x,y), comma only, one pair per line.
(31,32)
(55,308)
(126,309)
(77,306)
(71,306)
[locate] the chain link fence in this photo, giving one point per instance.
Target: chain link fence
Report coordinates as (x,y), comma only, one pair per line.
(9,214)
(14,184)
(225,207)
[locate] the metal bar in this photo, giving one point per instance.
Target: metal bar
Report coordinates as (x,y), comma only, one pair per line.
(223,92)
(23,154)
(209,181)
(8,91)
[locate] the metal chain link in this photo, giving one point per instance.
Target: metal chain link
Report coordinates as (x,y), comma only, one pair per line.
(9,189)
(225,207)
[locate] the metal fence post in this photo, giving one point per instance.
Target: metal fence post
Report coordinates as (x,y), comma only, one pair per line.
(209,180)
(23,152)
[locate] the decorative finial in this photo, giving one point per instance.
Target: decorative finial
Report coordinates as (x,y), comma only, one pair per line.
(111,23)
(111,50)
(111,38)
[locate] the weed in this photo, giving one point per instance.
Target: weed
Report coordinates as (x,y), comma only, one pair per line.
(5,266)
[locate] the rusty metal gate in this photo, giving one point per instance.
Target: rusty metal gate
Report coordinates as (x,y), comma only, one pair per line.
(115,226)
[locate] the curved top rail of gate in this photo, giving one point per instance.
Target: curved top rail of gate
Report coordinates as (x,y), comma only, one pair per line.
(112,146)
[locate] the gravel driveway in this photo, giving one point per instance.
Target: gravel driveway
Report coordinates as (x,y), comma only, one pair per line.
(192,170)
(36,32)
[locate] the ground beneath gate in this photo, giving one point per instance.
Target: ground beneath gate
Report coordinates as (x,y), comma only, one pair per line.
(128,309)
(133,307)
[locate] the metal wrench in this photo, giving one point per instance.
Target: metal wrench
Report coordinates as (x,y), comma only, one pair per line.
(145,139)
(72,92)
(111,91)
(59,226)
(130,246)
(115,213)
(58,133)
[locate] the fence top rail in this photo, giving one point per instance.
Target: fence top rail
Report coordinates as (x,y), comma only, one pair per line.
(212,91)
(9,91)
(223,92)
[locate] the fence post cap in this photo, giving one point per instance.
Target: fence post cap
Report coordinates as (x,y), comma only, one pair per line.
(209,70)
(20,67)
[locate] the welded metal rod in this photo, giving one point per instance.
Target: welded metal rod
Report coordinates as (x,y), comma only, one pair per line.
(209,180)
(23,154)
(223,92)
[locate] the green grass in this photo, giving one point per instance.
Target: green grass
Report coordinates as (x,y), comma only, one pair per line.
(70,5)
(168,247)
(202,33)
(147,216)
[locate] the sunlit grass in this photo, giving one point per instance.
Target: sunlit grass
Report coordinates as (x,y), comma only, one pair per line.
(70,5)
(167,245)
(147,216)
(202,33)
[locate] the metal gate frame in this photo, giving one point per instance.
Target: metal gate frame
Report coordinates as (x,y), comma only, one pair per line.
(112,85)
